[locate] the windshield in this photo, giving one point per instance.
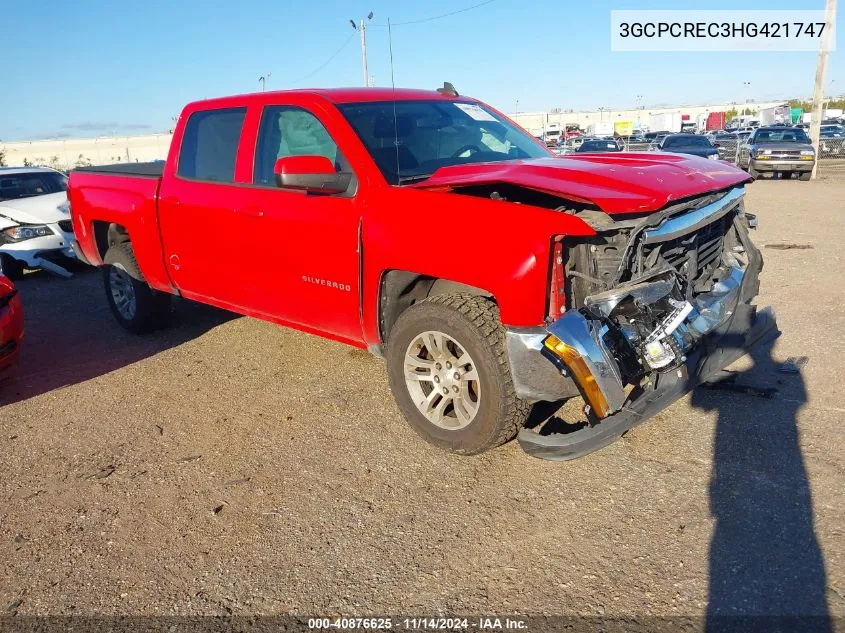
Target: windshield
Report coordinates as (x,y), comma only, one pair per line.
(686,141)
(789,135)
(427,135)
(31,183)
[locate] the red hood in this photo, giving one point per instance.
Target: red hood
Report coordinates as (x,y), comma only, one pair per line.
(616,183)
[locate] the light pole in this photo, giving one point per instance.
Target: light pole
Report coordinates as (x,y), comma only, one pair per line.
(263,81)
(363,30)
(747,88)
(602,110)
(639,107)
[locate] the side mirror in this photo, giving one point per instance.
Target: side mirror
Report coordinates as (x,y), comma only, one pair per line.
(311,174)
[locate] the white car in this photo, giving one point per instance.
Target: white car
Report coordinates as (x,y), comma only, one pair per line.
(35,225)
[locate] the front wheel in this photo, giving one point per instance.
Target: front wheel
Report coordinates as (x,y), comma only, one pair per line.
(448,370)
(805,176)
(136,306)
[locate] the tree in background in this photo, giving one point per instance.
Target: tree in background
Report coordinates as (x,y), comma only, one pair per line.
(731,114)
(2,158)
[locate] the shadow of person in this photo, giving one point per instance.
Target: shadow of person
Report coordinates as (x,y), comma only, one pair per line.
(766,568)
(71,335)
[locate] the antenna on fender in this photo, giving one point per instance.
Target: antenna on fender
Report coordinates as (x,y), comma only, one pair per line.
(393,96)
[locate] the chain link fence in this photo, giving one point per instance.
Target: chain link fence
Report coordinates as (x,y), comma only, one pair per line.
(831,156)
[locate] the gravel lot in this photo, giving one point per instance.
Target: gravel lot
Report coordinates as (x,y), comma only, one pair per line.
(230,466)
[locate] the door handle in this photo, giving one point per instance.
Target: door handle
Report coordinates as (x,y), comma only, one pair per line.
(253,212)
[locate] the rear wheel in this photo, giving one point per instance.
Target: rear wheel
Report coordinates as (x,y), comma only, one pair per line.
(135,305)
(449,372)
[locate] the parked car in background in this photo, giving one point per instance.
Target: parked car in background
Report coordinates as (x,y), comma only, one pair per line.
(727,145)
(831,139)
(778,150)
(35,226)
(692,144)
(570,146)
(637,283)
(11,323)
(592,146)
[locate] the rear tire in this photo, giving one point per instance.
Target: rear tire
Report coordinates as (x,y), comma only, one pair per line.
(448,369)
(137,307)
(12,268)
(807,175)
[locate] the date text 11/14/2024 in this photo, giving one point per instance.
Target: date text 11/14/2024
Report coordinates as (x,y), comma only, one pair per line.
(420,623)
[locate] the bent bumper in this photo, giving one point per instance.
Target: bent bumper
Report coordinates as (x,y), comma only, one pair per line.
(717,352)
(728,325)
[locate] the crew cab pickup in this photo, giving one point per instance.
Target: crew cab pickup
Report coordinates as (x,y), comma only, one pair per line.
(433,231)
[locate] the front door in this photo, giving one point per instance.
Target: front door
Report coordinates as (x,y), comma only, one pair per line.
(303,262)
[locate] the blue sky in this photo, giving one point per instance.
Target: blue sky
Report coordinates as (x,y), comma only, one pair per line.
(96,67)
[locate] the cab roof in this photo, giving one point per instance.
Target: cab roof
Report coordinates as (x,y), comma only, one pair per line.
(351,95)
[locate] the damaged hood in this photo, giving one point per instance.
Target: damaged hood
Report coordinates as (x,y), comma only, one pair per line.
(616,183)
(35,210)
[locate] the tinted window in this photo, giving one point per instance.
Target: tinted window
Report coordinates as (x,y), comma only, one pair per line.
(210,145)
(289,131)
(410,140)
(686,141)
(29,184)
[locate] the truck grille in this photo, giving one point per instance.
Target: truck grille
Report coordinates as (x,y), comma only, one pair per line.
(66,226)
(695,255)
(786,153)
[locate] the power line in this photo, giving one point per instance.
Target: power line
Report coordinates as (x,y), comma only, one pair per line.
(327,62)
(436,17)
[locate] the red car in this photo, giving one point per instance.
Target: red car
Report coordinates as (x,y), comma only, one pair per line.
(430,229)
(11,324)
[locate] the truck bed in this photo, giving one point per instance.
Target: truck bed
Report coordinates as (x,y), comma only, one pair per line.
(124,195)
(153,169)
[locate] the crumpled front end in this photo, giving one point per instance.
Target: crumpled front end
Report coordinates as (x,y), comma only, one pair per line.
(654,308)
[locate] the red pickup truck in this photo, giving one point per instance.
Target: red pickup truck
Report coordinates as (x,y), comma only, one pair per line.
(433,231)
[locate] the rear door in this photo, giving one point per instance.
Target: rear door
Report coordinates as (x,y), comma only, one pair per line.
(304,264)
(200,213)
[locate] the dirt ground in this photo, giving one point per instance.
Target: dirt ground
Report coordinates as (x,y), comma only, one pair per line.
(230,466)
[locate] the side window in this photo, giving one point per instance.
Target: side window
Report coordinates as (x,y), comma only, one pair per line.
(290,131)
(210,145)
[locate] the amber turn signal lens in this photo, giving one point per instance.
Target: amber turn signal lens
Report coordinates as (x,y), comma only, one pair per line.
(581,373)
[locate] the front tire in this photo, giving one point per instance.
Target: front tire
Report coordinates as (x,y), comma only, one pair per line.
(137,307)
(448,369)
(805,176)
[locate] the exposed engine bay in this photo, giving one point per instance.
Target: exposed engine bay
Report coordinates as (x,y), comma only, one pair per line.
(653,283)
(643,292)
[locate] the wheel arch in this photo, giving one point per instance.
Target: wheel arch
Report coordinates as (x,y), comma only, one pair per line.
(400,289)
(107,234)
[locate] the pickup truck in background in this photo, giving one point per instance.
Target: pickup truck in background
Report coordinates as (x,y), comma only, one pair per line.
(433,231)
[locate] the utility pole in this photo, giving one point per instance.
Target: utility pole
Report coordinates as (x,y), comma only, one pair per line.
(818,89)
(363,30)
